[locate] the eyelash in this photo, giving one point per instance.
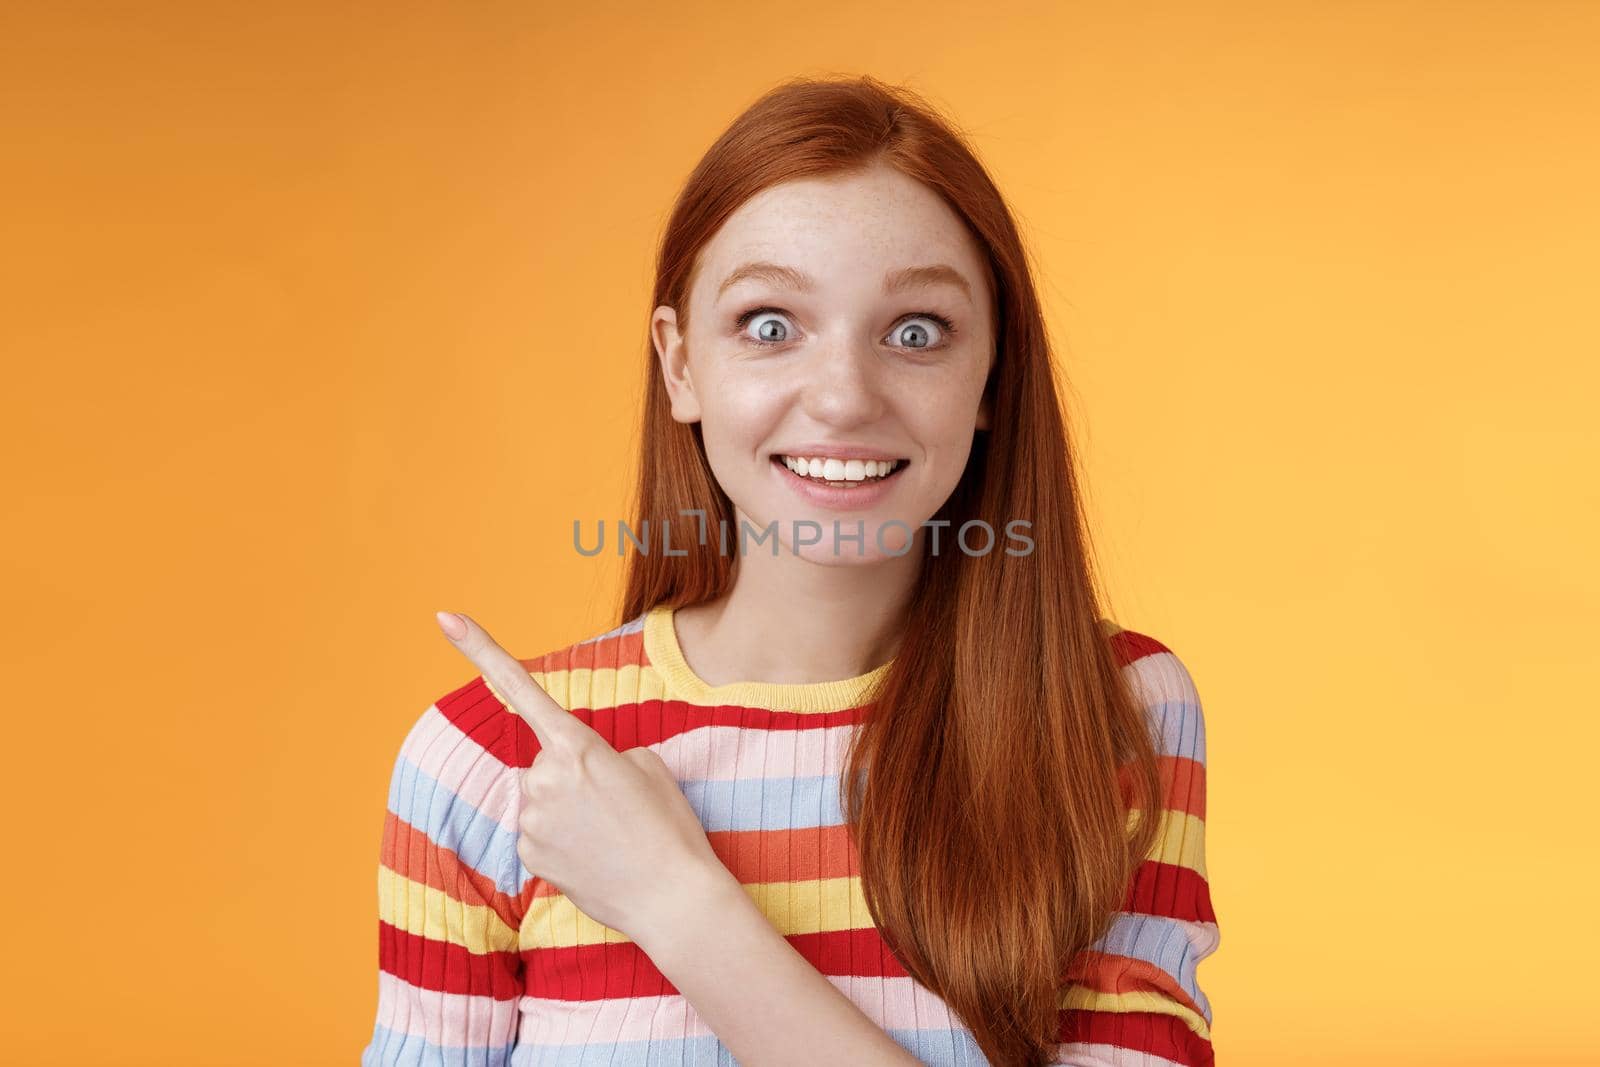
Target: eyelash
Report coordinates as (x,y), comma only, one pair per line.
(947,327)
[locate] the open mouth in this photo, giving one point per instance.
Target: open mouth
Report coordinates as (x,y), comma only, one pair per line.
(841,474)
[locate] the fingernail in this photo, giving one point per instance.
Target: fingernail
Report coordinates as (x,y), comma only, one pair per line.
(451,624)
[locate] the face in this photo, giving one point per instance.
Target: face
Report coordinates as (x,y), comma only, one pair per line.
(833,321)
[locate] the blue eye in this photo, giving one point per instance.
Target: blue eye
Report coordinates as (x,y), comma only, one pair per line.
(946,328)
(768,337)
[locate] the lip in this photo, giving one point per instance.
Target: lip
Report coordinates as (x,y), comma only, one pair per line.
(825,451)
(857,499)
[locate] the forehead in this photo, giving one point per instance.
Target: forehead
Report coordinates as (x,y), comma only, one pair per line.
(877,220)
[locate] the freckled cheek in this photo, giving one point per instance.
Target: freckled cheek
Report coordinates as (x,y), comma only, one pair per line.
(740,416)
(943,422)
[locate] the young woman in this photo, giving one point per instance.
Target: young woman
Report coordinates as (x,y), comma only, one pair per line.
(863,775)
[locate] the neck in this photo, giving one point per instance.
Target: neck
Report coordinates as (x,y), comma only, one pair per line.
(788,620)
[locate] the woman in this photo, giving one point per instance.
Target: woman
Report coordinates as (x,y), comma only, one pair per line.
(855,486)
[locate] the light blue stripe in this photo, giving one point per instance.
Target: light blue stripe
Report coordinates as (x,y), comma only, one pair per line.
(480,841)
(786,803)
(1181,729)
(390,1049)
(1160,941)
(940,1048)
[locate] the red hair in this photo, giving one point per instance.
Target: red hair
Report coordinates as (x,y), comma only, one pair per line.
(1006,751)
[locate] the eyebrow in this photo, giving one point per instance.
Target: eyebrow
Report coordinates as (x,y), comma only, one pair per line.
(894,281)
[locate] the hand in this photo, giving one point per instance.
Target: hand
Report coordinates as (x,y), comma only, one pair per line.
(612,831)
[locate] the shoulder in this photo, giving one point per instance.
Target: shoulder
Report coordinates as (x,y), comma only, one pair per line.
(1162,683)
(456,768)
(580,675)
(471,728)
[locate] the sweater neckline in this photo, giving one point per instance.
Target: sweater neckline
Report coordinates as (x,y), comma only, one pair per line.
(666,655)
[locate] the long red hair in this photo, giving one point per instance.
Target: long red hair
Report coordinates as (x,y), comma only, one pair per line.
(994,831)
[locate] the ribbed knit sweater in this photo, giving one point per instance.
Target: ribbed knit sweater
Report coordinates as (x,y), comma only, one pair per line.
(482,963)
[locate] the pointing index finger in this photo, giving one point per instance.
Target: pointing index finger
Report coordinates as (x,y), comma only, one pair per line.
(511,683)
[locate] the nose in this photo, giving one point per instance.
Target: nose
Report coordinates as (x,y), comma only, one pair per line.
(844,385)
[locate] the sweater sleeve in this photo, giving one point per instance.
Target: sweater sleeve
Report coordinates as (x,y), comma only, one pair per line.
(449,911)
(1132,997)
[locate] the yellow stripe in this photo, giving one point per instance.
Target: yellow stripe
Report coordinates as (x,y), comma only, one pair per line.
(433,913)
(1181,840)
(1085,999)
(809,907)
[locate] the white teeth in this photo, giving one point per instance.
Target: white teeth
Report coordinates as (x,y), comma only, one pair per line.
(837,470)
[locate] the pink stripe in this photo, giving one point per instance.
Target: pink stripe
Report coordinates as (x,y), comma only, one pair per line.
(722,753)
(439,749)
(444,1018)
(892,1003)
(1204,936)
(899,1003)
(1161,677)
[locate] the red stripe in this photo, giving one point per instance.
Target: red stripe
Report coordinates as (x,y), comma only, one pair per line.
(1151,1032)
(631,724)
(1130,645)
(446,968)
(1169,890)
(621,969)
(477,713)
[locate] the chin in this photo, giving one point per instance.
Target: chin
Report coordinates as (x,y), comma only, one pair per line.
(823,555)
(850,553)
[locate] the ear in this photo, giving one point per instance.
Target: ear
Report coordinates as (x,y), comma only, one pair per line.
(673,354)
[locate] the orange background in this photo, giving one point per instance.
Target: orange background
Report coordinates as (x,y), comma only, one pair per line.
(322,317)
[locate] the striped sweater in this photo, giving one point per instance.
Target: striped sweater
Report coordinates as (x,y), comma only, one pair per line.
(482,963)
